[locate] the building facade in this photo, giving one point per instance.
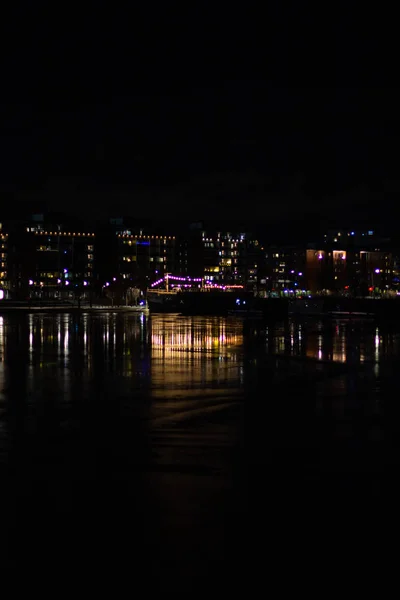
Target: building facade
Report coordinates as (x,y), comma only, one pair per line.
(353,263)
(143,258)
(284,269)
(61,263)
(230,259)
(4,274)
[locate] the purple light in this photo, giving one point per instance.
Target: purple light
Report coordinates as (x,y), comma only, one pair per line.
(377,271)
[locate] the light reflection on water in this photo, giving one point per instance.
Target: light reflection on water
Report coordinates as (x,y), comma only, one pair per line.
(71,354)
(330,341)
(168,341)
(172,350)
(194,353)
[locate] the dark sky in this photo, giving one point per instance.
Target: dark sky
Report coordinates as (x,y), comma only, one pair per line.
(199,112)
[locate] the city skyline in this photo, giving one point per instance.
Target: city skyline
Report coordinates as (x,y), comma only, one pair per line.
(49,257)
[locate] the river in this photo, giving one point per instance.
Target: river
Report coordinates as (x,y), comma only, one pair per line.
(170,446)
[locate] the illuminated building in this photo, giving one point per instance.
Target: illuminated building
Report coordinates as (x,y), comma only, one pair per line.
(376,271)
(396,272)
(230,258)
(283,269)
(4,275)
(44,260)
(142,258)
(62,263)
(348,262)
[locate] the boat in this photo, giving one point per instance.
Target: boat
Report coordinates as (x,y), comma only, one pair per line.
(164,301)
(195,296)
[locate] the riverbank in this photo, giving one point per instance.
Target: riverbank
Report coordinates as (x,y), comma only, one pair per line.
(25,308)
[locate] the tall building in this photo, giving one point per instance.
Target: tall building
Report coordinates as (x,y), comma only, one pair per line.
(230,259)
(350,262)
(143,258)
(284,269)
(4,275)
(61,263)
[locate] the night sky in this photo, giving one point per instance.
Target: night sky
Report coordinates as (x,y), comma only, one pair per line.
(197,113)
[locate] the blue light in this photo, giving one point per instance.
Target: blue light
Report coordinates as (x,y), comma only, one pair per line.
(143,243)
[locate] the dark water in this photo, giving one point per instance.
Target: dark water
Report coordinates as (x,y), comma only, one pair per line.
(190,452)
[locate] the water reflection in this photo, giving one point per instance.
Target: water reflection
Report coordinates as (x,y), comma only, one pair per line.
(167,355)
(190,347)
(194,355)
(115,353)
(343,342)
